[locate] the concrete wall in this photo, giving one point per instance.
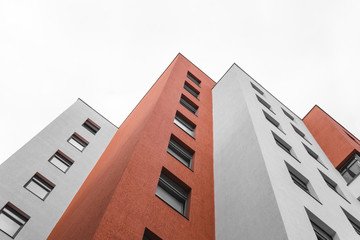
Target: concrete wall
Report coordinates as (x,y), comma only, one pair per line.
(249,163)
(33,157)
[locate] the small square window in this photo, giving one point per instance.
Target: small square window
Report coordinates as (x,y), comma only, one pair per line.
(173,192)
(285,146)
(273,121)
(257,89)
(149,235)
(91,126)
(288,115)
(12,219)
(185,124)
(61,161)
(322,231)
(180,151)
(78,142)
(300,133)
(351,169)
(39,186)
(192,107)
(263,102)
(353,221)
(193,78)
(191,90)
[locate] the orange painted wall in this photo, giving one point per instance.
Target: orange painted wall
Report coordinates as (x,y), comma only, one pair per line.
(331,136)
(117,201)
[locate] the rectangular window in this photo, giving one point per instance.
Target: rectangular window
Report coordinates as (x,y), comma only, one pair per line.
(262,101)
(191,90)
(300,133)
(273,121)
(39,186)
(192,107)
(320,233)
(322,230)
(78,142)
(257,89)
(185,124)
(288,115)
(180,151)
(12,219)
(193,78)
(351,168)
(333,185)
(91,126)
(353,221)
(149,235)
(61,161)
(313,155)
(173,192)
(299,182)
(282,144)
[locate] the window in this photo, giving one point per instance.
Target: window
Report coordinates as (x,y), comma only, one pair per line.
(40,186)
(188,104)
(351,168)
(288,115)
(313,155)
(185,124)
(353,221)
(282,144)
(149,235)
(12,219)
(299,182)
(77,141)
(273,121)
(180,151)
(61,161)
(322,231)
(193,78)
(262,101)
(333,185)
(191,90)
(300,133)
(257,89)
(91,126)
(173,192)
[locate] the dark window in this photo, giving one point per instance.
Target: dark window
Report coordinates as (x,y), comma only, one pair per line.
(78,142)
(180,151)
(188,104)
(300,133)
(91,126)
(311,153)
(12,220)
(61,161)
(257,89)
(149,235)
(288,115)
(193,78)
(320,233)
(351,169)
(262,101)
(191,90)
(39,186)
(184,123)
(272,120)
(174,194)
(299,182)
(282,144)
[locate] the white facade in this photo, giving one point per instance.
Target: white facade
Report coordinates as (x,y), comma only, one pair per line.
(255,196)
(34,157)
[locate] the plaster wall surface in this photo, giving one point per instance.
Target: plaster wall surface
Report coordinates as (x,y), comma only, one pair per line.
(33,157)
(290,200)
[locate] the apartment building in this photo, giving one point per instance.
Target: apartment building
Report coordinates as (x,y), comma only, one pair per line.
(195,159)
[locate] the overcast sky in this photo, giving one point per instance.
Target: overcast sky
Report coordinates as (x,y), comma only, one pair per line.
(109,53)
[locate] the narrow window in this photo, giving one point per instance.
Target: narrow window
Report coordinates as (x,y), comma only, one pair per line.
(299,182)
(91,126)
(39,186)
(313,155)
(351,168)
(257,89)
(149,235)
(285,146)
(78,142)
(185,124)
(300,133)
(193,78)
(353,221)
(333,185)
(191,90)
(273,121)
(192,107)
(61,161)
(180,151)
(173,192)
(322,231)
(12,219)
(262,101)
(288,115)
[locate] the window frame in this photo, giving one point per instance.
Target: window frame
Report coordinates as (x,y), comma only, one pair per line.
(61,157)
(189,105)
(41,182)
(288,115)
(190,89)
(264,103)
(300,133)
(91,126)
(273,121)
(193,78)
(284,146)
(80,140)
(18,214)
(348,164)
(313,154)
(180,151)
(184,124)
(257,88)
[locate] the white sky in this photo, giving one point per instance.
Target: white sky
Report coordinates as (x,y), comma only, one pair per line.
(109,53)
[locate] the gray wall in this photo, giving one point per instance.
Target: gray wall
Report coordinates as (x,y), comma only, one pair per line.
(33,157)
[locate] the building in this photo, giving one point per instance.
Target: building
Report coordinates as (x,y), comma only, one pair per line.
(341,147)
(195,160)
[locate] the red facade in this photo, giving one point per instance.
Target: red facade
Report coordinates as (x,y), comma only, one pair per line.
(118,201)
